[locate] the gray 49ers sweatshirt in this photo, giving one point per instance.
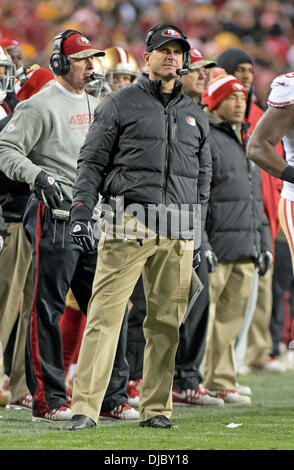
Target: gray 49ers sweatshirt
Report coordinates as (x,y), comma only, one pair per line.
(46,133)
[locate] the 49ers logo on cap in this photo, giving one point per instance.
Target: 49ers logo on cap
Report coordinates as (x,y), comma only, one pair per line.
(195,53)
(171,33)
(237,86)
(82,41)
(191,120)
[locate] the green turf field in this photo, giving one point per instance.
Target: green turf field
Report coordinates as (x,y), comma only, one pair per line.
(267,424)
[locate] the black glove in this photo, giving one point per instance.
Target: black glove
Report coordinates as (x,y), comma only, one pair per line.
(196,258)
(212,260)
(264,262)
(47,190)
(81,227)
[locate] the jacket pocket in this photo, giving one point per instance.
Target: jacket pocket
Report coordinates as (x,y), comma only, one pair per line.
(108,180)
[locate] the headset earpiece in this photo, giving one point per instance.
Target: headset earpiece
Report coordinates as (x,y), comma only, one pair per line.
(58,61)
(186,60)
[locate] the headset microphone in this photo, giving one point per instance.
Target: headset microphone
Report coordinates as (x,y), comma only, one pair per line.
(182,72)
(94,76)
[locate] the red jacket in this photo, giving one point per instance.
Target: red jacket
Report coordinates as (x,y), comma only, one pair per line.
(270,186)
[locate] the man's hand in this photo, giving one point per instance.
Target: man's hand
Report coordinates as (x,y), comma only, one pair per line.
(212,260)
(81,227)
(47,190)
(82,233)
(264,262)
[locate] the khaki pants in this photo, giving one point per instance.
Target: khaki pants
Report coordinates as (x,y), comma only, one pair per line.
(167,269)
(15,289)
(259,342)
(229,288)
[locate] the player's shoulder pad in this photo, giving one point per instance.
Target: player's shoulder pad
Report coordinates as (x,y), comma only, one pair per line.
(282,91)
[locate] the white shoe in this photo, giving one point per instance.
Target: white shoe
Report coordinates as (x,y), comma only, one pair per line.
(134,401)
(272,366)
(122,412)
(63,413)
(195,396)
(231,397)
(243,389)
(24,403)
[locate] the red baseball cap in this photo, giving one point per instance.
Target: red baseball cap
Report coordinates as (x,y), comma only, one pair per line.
(8,42)
(77,46)
(198,61)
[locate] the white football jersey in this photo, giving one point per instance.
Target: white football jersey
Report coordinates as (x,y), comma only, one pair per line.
(282,94)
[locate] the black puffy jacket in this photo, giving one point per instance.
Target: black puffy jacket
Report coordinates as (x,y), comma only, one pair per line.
(145,151)
(236,223)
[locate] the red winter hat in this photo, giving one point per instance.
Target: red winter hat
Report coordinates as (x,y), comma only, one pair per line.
(197,60)
(77,46)
(220,87)
(36,78)
(8,42)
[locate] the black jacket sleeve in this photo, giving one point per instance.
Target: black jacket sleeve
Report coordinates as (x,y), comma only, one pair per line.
(96,154)
(205,175)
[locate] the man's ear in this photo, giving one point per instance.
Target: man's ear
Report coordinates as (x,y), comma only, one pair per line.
(147,58)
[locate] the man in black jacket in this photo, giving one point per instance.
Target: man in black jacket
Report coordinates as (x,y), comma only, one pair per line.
(187,388)
(146,149)
(237,230)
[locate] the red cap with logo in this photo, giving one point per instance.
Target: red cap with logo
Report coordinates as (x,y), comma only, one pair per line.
(198,61)
(77,46)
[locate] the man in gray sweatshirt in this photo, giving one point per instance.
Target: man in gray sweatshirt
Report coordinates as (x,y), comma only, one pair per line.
(40,146)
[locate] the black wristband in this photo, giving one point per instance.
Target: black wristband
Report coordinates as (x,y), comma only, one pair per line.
(80,212)
(288,174)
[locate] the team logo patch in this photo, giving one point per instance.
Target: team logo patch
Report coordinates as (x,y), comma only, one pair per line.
(191,120)
(82,41)
(77,228)
(195,53)
(171,33)
(10,128)
(238,86)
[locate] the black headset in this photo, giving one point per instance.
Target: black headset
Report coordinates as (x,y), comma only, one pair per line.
(58,61)
(148,41)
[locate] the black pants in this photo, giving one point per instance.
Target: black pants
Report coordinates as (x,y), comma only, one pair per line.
(192,342)
(283,281)
(58,264)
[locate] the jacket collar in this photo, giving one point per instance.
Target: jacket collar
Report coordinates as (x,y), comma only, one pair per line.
(240,133)
(154,88)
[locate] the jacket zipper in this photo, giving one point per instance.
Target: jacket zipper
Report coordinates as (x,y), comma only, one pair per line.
(166,157)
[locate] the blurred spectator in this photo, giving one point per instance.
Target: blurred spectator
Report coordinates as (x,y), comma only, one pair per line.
(264,29)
